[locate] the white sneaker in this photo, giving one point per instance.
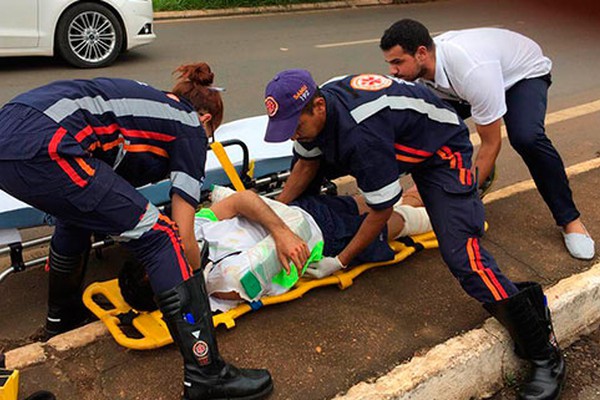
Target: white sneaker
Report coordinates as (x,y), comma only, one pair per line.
(580,245)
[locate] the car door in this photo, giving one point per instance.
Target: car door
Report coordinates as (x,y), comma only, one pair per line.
(19,23)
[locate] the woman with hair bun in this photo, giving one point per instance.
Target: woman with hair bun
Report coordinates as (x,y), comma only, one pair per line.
(76,149)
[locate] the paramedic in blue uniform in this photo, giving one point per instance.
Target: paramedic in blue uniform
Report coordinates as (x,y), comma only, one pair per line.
(378,128)
(492,75)
(77,149)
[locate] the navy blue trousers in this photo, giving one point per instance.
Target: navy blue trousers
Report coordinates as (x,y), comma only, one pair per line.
(449,192)
(339,220)
(526,104)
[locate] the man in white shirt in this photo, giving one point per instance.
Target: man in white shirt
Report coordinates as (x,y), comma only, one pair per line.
(493,74)
(496,74)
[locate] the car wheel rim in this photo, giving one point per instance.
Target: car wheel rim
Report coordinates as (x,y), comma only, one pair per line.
(92,37)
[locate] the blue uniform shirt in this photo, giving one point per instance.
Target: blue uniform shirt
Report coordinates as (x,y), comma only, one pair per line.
(145,134)
(378,128)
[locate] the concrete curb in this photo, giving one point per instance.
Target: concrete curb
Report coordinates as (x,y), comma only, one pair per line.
(39,352)
(224,12)
(481,359)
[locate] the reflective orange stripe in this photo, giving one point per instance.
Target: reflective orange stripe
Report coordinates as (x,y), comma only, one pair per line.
(409,159)
(142,148)
(161,137)
(446,150)
(482,275)
(417,152)
(82,134)
(113,144)
(110,129)
(442,155)
(489,272)
(170,230)
(167,220)
(62,163)
(106,130)
(85,166)
(461,175)
(445,154)
(459,159)
(93,146)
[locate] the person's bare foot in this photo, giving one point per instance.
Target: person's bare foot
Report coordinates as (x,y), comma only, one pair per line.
(575,226)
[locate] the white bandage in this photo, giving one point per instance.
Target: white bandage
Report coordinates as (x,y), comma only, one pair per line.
(416,220)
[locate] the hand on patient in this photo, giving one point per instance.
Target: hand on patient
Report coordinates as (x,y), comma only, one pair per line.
(325,267)
(290,247)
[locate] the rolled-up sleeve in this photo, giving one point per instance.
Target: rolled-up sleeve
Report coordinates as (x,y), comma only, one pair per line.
(307,152)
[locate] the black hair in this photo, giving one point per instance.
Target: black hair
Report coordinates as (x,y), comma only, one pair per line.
(310,106)
(408,34)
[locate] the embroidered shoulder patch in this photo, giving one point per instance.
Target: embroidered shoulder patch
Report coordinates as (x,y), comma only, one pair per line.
(370,82)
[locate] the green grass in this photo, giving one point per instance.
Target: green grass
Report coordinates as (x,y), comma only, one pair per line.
(179,5)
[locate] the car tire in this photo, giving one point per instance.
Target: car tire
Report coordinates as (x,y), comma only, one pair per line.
(89,35)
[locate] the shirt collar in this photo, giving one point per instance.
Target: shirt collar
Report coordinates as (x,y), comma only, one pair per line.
(440,77)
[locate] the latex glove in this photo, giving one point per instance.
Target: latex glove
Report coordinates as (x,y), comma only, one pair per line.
(325,267)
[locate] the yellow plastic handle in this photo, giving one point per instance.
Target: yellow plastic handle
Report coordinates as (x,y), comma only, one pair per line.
(227,165)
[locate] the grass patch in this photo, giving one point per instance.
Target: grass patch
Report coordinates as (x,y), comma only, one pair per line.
(180,5)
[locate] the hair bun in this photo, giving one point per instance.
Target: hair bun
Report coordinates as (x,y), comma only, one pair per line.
(198,74)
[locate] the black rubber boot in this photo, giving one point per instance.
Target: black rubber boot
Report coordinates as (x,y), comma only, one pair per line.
(187,313)
(65,307)
(527,318)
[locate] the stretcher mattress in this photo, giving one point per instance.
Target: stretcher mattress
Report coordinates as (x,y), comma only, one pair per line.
(268,158)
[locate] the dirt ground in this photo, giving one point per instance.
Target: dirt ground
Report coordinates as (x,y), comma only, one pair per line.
(583,371)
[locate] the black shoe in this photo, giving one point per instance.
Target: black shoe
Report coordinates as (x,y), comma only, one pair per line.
(66,319)
(186,311)
(547,377)
(230,383)
(527,318)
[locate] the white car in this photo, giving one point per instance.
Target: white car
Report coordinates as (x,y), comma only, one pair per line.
(86,33)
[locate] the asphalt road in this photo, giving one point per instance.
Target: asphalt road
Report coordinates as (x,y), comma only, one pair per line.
(246,52)
(386,316)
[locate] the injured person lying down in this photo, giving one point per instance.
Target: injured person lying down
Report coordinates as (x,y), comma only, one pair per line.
(243,259)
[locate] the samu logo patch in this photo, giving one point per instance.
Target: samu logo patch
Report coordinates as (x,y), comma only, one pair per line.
(272,106)
(200,350)
(370,82)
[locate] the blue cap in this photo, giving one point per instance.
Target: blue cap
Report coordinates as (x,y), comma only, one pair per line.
(285,97)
